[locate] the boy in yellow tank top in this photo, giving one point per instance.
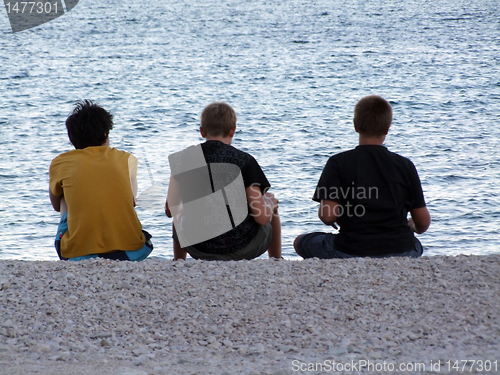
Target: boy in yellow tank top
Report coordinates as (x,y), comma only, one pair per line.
(94,189)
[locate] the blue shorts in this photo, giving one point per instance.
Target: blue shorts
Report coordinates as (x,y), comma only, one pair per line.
(322,245)
(135,255)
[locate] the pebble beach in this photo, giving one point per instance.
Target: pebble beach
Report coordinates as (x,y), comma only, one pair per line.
(250,317)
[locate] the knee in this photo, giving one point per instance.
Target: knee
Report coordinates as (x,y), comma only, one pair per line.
(296,243)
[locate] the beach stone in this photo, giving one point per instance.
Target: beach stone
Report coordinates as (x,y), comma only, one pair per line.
(42,348)
(259,348)
(101,335)
(141,360)
(215,345)
(129,371)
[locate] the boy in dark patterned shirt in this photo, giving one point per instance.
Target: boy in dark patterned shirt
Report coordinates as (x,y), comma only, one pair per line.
(218,197)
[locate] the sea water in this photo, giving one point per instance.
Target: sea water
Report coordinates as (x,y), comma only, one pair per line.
(293,71)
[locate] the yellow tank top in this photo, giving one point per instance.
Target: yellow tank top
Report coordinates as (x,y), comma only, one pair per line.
(96,185)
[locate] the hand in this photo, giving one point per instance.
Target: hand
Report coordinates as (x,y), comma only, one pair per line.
(274,202)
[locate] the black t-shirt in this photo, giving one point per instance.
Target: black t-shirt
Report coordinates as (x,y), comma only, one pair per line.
(240,236)
(376,189)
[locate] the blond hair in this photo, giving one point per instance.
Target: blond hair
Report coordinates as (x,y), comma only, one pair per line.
(218,119)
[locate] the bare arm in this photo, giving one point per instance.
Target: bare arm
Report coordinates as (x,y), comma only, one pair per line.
(328,211)
(55,200)
(167,210)
(132,170)
(420,219)
(172,196)
(261,206)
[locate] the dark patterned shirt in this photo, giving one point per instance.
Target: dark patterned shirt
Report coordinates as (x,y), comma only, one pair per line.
(241,235)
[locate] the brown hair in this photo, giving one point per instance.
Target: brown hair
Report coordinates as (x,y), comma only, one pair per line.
(218,119)
(373,116)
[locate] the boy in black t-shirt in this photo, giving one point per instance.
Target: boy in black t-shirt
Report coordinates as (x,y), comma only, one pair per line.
(368,192)
(218,197)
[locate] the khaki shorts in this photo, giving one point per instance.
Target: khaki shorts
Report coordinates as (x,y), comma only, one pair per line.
(258,246)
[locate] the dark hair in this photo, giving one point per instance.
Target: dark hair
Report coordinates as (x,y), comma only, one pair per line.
(218,119)
(88,125)
(373,116)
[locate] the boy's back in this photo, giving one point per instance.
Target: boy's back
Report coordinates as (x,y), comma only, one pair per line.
(96,185)
(217,152)
(376,189)
(93,187)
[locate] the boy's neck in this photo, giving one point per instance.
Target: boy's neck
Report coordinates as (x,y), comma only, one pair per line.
(364,140)
(227,140)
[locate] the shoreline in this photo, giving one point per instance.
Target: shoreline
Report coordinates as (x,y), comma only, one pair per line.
(248,317)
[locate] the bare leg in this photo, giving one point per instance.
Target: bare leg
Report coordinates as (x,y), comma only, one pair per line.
(64,206)
(274,250)
(179,252)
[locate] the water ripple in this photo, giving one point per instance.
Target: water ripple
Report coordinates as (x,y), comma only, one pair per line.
(292,70)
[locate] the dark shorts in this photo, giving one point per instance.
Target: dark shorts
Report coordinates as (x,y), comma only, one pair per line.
(258,246)
(135,255)
(322,245)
